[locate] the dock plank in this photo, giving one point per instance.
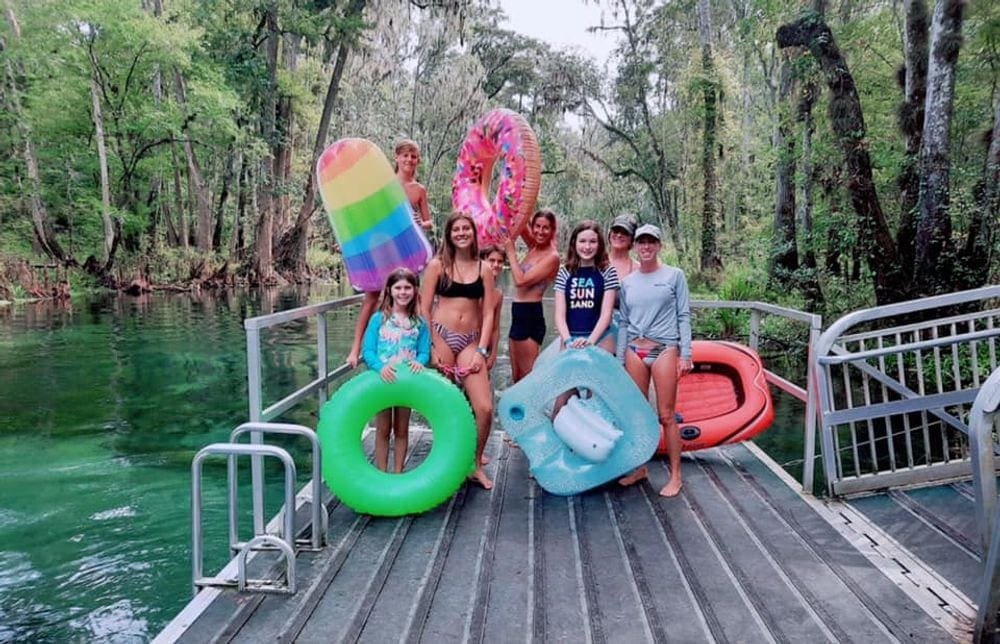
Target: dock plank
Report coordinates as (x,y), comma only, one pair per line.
(738,556)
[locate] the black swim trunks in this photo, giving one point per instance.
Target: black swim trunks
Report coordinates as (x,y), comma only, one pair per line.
(527,321)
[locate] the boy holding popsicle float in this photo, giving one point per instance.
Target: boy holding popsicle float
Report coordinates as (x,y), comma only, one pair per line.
(407,159)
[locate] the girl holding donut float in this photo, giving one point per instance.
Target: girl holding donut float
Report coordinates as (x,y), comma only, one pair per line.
(462,286)
(532,276)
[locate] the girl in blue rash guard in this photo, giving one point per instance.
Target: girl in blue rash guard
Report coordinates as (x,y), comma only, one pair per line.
(586,289)
(395,334)
(656,327)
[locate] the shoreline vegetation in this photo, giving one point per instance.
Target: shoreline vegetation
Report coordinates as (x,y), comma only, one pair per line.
(171,146)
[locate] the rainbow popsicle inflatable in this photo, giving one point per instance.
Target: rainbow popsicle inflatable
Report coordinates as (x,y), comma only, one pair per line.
(369,213)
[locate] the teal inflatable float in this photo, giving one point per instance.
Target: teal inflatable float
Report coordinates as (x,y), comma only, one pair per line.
(346,468)
(594,439)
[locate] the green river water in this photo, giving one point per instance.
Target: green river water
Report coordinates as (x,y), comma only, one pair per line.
(103,403)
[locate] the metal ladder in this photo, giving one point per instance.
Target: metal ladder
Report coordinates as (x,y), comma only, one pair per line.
(285,541)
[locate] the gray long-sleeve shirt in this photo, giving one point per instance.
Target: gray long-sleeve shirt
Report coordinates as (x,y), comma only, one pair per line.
(657,306)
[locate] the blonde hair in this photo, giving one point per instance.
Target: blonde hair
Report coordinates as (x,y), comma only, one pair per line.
(407,144)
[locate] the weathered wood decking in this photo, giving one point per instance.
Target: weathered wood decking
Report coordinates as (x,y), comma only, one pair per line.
(740,556)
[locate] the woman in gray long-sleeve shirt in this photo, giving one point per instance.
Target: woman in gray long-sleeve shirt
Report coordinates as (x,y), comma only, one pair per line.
(654,337)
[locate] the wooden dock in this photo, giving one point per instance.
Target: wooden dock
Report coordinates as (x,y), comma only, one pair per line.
(740,556)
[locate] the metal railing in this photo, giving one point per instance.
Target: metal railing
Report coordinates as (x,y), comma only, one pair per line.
(318,385)
(262,539)
(286,544)
(984,430)
(805,394)
(319,515)
(894,392)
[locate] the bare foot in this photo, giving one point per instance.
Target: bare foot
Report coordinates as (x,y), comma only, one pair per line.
(485,460)
(479,476)
(634,477)
(671,489)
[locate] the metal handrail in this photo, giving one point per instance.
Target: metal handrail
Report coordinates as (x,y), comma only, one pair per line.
(319,513)
(288,529)
(808,394)
(984,419)
(258,413)
(831,339)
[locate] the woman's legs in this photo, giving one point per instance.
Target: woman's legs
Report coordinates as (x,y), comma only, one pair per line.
(664,372)
(639,371)
(480,395)
(522,357)
(400,436)
(383,422)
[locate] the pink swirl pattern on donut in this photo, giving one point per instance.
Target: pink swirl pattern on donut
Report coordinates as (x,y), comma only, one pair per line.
(504,136)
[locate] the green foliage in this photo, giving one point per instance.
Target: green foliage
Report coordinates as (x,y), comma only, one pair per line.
(624,141)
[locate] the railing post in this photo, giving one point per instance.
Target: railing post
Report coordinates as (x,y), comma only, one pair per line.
(321,357)
(754,328)
(255,396)
(809,449)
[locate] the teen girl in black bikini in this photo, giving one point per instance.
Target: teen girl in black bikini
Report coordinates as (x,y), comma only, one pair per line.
(457,296)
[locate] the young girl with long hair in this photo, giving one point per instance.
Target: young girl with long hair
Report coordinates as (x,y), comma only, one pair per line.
(396,334)
(458,297)
(586,289)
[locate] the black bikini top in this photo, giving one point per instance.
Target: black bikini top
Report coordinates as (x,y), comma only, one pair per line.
(471,290)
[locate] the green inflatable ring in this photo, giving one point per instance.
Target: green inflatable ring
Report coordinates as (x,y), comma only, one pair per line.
(362,487)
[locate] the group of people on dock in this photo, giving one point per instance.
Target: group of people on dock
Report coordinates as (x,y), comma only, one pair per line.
(615,295)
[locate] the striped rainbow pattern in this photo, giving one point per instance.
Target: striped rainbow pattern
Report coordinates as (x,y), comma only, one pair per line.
(369,213)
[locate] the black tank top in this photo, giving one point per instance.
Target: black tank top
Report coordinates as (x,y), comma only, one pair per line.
(472,290)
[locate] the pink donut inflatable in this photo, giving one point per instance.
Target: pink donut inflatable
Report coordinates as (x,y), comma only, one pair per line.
(505,136)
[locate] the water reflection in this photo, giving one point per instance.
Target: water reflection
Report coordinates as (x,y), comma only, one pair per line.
(104,402)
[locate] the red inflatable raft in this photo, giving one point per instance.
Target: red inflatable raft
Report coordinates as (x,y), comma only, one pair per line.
(725,399)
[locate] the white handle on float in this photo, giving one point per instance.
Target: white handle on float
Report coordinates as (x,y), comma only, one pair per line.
(585,431)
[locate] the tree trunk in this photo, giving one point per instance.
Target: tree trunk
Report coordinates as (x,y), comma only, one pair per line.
(875,242)
(911,122)
(709,260)
(784,252)
(284,139)
(809,281)
(199,196)
(182,226)
(263,268)
(40,221)
(107,258)
(290,257)
(220,211)
(237,244)
(934,253)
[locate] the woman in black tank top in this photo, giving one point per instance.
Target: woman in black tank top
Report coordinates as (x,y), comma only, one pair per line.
(457,297)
